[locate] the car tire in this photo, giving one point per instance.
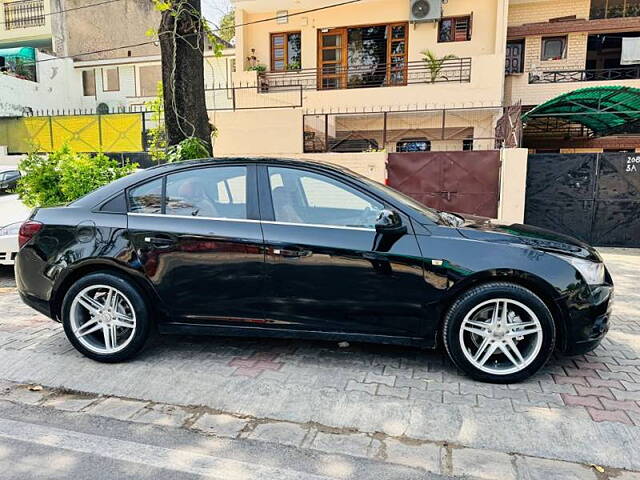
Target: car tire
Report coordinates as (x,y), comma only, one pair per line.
(499,317)
(120,332)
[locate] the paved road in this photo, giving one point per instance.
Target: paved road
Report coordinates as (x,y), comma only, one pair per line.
(374,401)
(57,445)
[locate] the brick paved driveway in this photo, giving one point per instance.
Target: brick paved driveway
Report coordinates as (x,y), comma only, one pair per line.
(584,408)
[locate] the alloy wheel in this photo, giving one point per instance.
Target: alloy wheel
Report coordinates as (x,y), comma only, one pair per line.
(102,319)
(501,336)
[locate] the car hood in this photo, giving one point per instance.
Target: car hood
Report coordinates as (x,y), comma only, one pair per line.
(480,228)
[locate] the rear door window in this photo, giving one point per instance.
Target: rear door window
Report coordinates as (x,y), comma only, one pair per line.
(146,198)
(216,192)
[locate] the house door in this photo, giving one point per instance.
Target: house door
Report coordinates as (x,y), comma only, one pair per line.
(514,62)
(332,59)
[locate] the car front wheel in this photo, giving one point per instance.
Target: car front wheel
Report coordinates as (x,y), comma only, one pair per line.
(105,317)
(499,333)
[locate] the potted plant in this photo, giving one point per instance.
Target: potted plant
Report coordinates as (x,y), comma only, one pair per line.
(435,64)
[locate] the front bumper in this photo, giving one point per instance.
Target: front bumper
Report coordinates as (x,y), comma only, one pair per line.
(8,249)
(588,319)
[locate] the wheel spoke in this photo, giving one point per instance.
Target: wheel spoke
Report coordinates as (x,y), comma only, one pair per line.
(476,331)
(109,337)
(83,330)
(478,324)
(504,314)
(508,354)
(91,304)
(514,348)
(488,352)
(495,314)
(122,320)
(522,329)
(482,348)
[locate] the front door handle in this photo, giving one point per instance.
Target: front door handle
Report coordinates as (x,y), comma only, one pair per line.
(160,241)
(283,252)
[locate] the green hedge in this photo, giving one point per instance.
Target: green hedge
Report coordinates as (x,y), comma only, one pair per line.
(64,176)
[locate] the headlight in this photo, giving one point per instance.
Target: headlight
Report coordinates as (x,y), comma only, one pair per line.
(11,229)
(592,272)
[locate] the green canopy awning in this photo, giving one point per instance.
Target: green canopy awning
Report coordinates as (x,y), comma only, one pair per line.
(604,110)
(25,53)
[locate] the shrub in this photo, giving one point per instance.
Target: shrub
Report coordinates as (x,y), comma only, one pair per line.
(191,148)
(64,176)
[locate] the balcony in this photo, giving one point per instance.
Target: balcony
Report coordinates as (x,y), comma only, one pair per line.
(570,76)
(368,76)
(614,9)
(24,14)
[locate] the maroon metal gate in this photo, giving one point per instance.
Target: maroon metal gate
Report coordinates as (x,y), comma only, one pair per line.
(463,182)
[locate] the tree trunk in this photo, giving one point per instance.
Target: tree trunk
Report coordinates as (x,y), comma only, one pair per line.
(182,47)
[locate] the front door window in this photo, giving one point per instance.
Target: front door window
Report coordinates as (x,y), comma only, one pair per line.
(303,197)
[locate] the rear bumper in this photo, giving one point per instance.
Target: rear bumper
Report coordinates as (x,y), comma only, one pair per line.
(37,304)
(34,287)
(588,319)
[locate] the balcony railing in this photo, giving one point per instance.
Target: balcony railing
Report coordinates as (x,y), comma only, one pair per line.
(568,76)
(628,8)
(24,14)
(368,76)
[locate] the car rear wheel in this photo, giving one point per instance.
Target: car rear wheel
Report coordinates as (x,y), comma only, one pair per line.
(105,317)
(499,333)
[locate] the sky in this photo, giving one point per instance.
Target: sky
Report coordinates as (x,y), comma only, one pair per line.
(214,9)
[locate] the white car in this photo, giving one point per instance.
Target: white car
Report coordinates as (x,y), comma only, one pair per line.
(12,213)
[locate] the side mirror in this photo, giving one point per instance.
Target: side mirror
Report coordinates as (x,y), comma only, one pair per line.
(389,222)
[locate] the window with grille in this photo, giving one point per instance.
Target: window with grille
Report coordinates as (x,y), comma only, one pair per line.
(24,14)
(454,29)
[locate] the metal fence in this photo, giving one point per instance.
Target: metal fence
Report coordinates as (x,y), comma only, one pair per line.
(252,97)
(336,77)
(614,9)
(567,76)
(84,133)
(403,131)
(24,14)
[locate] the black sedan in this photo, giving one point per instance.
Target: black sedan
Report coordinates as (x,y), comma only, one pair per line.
(282,248)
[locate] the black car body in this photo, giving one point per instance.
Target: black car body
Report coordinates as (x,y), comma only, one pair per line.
(9,180)
(244,272)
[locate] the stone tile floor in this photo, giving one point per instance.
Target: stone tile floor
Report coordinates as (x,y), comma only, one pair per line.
(576,408)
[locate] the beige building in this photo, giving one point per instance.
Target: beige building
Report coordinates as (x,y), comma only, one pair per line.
(352,78)
(559,46)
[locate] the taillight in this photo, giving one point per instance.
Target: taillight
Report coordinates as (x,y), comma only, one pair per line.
(28,230)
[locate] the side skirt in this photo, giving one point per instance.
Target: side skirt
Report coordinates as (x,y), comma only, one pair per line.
(236,331)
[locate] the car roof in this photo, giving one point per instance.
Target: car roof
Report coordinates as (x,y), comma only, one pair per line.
(98,196)
(245,160)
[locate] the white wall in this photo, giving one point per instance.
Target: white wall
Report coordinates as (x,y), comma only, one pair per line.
(216,74)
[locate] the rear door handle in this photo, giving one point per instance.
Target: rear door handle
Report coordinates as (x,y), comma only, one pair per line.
(282,252)
(160,241)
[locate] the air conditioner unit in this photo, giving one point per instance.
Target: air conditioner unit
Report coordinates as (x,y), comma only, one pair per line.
(425,10)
